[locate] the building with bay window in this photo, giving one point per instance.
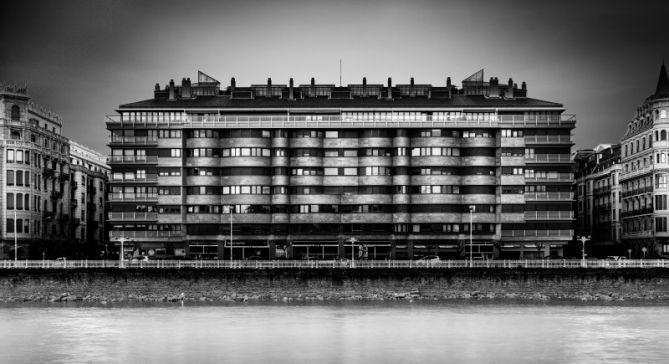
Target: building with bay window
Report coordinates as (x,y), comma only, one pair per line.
(645,168)
(37,189)
(319,171)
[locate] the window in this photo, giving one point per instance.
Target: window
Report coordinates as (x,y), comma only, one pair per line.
(10,178)
(660,224)
(19,178)
(331,134)
(10,201)
(661,180)
(16,112)
(350,171)
(175,152)
(10,155)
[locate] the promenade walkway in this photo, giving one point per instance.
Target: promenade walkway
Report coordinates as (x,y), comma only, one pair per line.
(336,264)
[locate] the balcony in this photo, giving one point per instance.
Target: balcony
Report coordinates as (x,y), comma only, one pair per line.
(133,159)
(151,178)
(548,139)
(133,197)
(132,140)
(116,234)
(637,191)
(549,196)
(132,216)
(548,158)
(549,215)
(385,120)
(551,177)
(537,233)
(644,211)
(48,172)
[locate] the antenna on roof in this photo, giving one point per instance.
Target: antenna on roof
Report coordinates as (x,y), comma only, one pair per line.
(339,72)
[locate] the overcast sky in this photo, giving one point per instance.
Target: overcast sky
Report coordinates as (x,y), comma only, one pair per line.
(84,58)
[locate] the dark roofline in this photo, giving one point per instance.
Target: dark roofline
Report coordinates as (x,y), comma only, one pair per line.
(457,101)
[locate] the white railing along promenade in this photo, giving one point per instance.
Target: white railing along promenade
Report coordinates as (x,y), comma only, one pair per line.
(335,264)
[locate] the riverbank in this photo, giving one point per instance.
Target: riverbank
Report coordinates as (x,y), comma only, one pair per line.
(114,286)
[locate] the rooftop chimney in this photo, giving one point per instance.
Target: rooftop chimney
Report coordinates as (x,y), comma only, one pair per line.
(269,82)
(313,82)
(171,95)
(364,82)
(411,81)
(186,92)
(290,89)
(390,88)
(233,84)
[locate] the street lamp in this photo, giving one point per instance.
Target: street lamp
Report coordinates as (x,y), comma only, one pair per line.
(353,241)
(629,253)
(16,240)
(644,250)
(583,239)
(472,208)
(121,257)
(230,208)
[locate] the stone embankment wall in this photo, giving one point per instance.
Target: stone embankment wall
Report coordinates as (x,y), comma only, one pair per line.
(286,285)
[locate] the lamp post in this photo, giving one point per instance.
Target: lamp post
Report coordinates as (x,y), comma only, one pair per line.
(583,239)
(16,240)
(121,256)
(629,253)
(353,241)
(644,250)
(472,208)
(230,207)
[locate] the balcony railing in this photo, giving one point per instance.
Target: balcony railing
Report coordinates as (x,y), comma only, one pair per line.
(548,158)
(392,120)
(147,140)
(549,215)
(547,139)
(546,196)
(133,197)
(558,177)
(138,159)
(147,178)
(115,235)
(637,191)
(132,216)
(637,212)
(537,233)
(338,264)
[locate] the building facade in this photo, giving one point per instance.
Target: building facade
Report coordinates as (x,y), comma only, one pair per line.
(36,217)
(644,149)
(321,171)
(90,174)
(598,199)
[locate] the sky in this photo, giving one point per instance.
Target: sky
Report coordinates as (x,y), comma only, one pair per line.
(83,58)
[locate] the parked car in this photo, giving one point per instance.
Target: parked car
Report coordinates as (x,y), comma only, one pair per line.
(141,258)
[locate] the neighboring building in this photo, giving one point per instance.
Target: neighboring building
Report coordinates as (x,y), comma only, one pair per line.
(644,149)
(35,183)
(598,199)
(306,168)
(90,174)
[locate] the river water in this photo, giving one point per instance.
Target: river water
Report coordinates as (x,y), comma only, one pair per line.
(366,333)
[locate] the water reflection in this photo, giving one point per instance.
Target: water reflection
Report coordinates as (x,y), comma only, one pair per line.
(335,334)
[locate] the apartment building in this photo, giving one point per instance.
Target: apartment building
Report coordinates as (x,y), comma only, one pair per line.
(318,171)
